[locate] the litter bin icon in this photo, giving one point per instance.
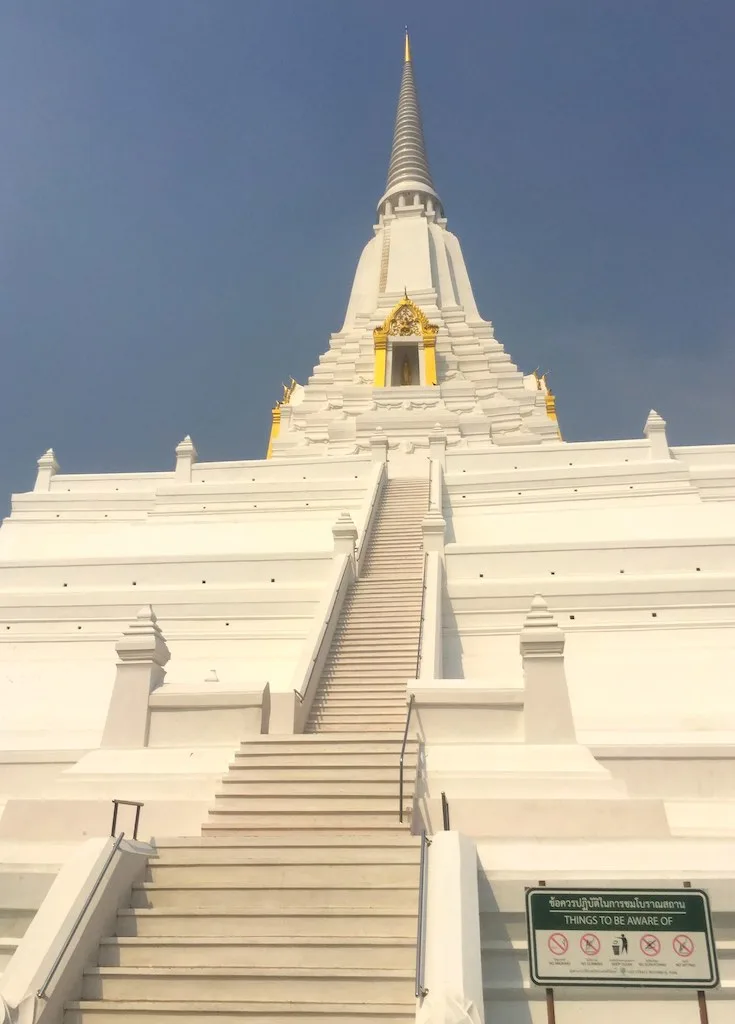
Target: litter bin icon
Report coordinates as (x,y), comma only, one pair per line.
(616,947)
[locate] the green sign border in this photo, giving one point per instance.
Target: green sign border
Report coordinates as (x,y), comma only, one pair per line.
(614,982)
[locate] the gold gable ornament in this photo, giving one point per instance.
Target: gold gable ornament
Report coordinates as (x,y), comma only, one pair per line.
(405,320)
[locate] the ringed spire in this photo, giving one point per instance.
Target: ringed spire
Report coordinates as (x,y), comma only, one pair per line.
(408,171)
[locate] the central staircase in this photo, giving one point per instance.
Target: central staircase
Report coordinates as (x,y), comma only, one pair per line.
(299,901)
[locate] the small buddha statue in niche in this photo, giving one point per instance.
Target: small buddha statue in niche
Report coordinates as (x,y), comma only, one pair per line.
(406,374)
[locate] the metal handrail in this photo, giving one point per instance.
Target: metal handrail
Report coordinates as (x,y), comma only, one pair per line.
(78,920)
(445,812)
(324,630)
(420,991)
(363,543)
(400,760)
(126,803)
(423,593)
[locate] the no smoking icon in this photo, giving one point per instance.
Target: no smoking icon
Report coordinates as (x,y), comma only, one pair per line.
(650,945)
(683,946)
(558,944)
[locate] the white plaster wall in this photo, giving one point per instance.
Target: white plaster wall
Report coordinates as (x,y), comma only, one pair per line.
(364,295)
(234,564)
(409,264)
(655,681)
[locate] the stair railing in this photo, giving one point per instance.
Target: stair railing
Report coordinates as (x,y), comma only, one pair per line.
(402,757)
(78,920)
(420,991)
(423,592)
(418,668)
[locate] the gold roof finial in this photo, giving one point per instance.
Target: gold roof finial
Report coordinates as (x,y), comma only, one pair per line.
(407,54)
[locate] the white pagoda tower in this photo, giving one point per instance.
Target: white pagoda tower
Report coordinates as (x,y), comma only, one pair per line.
(412,322)
(423,614)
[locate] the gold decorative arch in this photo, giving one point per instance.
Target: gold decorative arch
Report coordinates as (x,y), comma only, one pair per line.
(404,320)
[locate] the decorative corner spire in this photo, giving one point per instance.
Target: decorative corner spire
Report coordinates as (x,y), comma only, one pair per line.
(409,166)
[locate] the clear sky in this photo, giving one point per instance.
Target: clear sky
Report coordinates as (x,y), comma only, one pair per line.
(186,185)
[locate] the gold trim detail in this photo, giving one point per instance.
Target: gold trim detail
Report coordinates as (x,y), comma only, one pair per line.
(412,321)
(403,321)
(430,357)
(407,51)
(550,399)
(380,343)
(288,390)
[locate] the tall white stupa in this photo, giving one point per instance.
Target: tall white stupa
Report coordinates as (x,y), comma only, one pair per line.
(423,613)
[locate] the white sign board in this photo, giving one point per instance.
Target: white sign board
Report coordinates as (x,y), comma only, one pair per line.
(644,937)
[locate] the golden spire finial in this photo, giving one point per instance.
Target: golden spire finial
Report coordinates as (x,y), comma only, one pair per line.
(407,54)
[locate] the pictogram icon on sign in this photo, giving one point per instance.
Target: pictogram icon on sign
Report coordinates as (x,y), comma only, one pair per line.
(558,944)
(590,944)
(650,945)
(683,945)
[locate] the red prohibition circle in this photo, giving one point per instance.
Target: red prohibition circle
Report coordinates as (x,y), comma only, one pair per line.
(558,944)
(650,945)
(590,944)
(683,946)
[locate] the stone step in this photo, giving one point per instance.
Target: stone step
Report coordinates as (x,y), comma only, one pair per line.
(399,642)
(366,677)
(256,896)
(401,656)
(247,823)
(308,803)
(345,761)
(230,1012)
(362,648)
(359,702)
(350,688)
(346,765)
(297,985)
(333,726)
(299,743)
(245,922)
(311,787)
(260,951)
(337,706)
(363,719)
(272,874)
(282,853)
(357,689)
(399,836)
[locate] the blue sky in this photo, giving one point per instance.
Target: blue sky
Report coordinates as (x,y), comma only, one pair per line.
(186,186)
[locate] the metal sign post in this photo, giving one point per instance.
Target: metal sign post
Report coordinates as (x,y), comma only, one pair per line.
(621,937)
(701,997)
(550,1006)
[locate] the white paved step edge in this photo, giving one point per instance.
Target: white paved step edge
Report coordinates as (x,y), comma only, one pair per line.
(391,696)
(305,802)
(368,727)
(261,951)
(308,875)
(355,690)
(310,787)
(269,1012)
(257,983)
(255,896)
(364,709)
(226,824)
(297,741)
(281,853)
(352,765)
(247,923)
